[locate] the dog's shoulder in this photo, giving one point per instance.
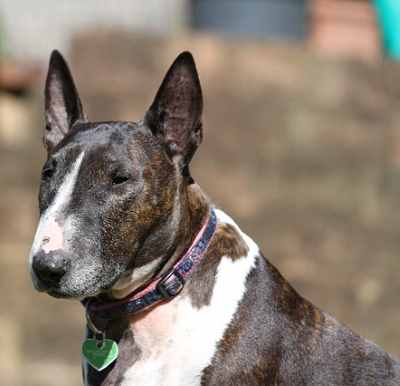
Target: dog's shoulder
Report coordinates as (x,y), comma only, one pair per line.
(278,337)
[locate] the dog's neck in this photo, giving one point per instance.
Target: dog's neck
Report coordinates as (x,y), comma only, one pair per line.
(194,208)
(190,213)
(153,325)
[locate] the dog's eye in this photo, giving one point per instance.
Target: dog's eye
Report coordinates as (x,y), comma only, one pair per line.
(118,179)
(47,173)
(49,169)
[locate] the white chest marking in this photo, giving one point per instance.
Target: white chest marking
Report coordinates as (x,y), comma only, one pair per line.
(49,234)
(178,341)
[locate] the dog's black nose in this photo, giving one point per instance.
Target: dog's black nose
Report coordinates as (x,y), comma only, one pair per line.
(49,268)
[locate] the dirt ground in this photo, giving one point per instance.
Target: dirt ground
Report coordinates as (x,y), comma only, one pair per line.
(302,151)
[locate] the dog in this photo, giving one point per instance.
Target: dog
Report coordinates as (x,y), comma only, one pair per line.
(175,293)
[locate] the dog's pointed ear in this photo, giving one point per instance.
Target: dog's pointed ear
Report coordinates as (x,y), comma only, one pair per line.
(175,114)
(63,107)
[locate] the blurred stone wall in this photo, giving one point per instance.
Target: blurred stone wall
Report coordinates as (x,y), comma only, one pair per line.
(302,151)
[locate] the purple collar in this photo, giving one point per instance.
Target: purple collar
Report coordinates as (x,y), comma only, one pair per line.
(160,289)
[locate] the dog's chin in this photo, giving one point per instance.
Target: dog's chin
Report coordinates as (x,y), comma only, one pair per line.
(73,287)
(70,291)
(79,291)
(67,293)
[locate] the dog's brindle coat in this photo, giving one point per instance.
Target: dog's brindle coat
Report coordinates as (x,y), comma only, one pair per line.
(119,207)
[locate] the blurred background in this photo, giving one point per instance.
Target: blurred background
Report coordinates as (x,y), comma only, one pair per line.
(302,145)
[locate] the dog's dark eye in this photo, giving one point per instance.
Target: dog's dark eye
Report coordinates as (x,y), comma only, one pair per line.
(49,169)
(118,179)
(47,173)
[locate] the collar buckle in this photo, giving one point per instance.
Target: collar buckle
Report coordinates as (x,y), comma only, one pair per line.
(171,284)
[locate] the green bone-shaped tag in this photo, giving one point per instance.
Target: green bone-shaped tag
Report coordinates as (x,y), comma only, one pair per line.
(100,355)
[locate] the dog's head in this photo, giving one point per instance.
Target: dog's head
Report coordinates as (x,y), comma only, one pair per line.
(110,192)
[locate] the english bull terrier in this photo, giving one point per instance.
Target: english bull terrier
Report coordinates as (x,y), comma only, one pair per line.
(175,293)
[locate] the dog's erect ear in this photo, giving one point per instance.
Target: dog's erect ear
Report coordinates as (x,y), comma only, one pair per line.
(62,103)
(175,114)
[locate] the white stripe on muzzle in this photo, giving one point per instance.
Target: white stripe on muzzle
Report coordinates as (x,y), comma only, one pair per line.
(50,234)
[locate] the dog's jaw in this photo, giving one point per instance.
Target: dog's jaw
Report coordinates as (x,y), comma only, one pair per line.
(135,278)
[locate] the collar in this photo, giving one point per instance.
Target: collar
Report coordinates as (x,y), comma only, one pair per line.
(160,289)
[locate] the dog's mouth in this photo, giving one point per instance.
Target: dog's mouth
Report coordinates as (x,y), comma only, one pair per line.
(66,292)
(79,282)
(62,294)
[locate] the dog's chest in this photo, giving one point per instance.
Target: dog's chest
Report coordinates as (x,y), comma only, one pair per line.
(178,341)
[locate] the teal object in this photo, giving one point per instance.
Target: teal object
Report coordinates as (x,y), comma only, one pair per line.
(388,12)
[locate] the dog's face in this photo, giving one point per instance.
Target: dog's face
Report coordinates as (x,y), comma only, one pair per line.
(110,192)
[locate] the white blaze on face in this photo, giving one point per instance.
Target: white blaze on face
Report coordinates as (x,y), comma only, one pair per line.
(50,234)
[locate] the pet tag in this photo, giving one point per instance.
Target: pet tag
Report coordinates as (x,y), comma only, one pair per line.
(100,354)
